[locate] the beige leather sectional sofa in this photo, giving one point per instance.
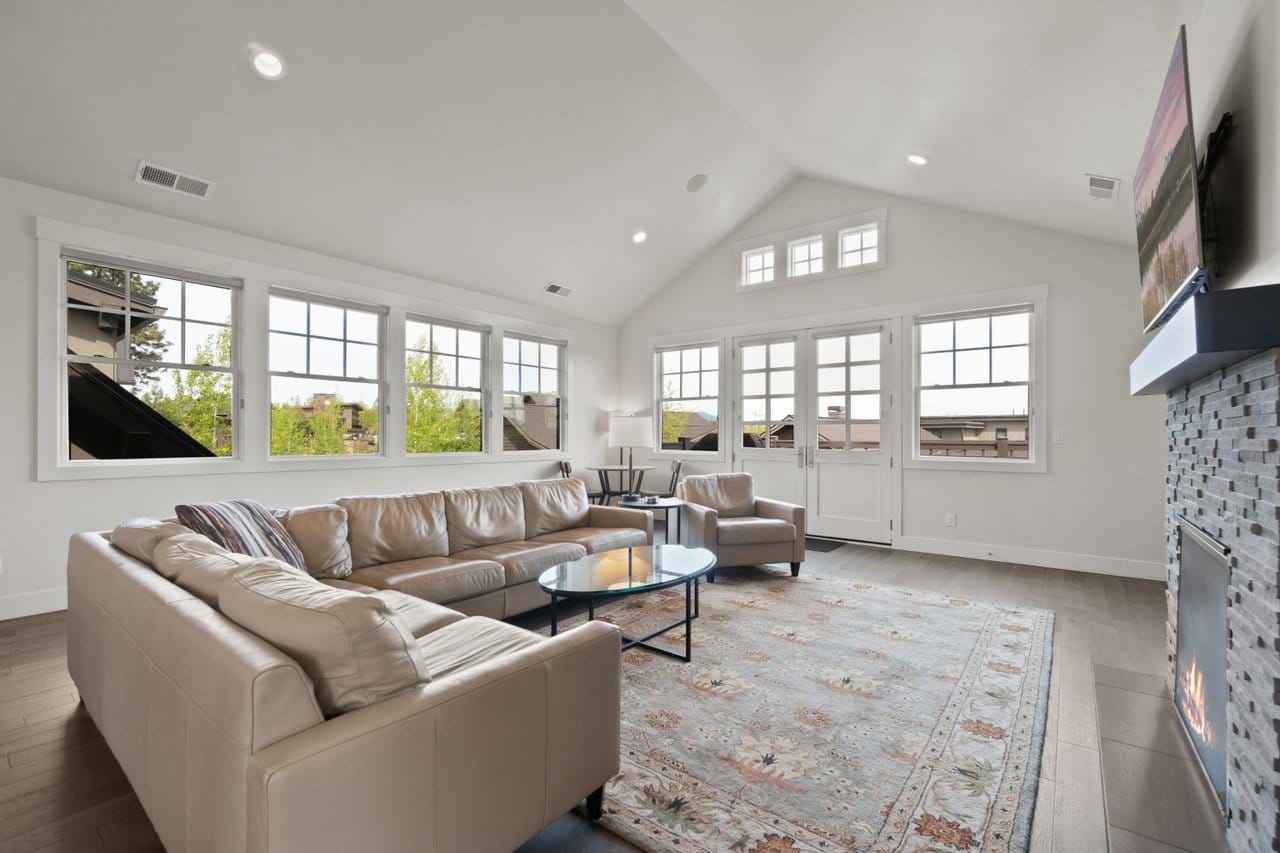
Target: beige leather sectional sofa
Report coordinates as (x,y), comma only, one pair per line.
(391,723)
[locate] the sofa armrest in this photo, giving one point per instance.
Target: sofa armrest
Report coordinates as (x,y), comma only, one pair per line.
(793,513)
(616,516)
(700,529)
(478,760)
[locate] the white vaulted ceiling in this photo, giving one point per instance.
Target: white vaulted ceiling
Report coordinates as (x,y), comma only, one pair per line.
(503,144)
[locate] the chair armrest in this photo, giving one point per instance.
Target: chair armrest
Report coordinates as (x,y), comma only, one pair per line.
(616,516)
(478,760)
(793,513)
(700,530)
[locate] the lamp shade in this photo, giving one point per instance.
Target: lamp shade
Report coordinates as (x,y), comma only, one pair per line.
(627,431)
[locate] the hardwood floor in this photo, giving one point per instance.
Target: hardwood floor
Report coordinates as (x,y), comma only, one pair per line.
(60,789)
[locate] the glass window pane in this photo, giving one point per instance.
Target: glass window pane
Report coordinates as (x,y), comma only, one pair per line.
(755,261)
(753,357)
(864,407)
(752,384)
(510,350)
(445,339)
(782,354)
(446,370)
(550,383)
(973,367)
(287,315)
(550,356)
(871,237)
(470,344)
(800,252)
(864,377)
(974,402)
(362,361)
(529,379)
(782,382)
(753,410)
(711,383)
(936,336)
(531,423)
(781,408)
(326,320)
(510,377)
(870,256)
(690,359)
(689,385)
(755,277)
(417,335)
(95,332)
(974,332)
(864,347)
(815,265)
(362,326)
(831,379)
(1010,364)
(326,357)
(417,367)
(1010,329)
(439,421)
(209,304)
(287,353)
(208,344)
(163,293)
(529,353)
(830,350)
(831,407)
(469,372)
(935,369)
(671,361)
(320,417)
(151,340)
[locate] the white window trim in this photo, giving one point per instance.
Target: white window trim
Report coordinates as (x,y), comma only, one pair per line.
(500,391)
(1036,435)
(658,451)
(829,231)
(487,433)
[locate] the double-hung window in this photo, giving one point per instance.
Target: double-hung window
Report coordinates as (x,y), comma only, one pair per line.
(973,390)
(532,393)
(325,361)
(689,397)
(444,386)
(148,361)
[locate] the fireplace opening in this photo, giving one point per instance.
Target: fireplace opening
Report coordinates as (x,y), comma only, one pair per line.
(1200,665)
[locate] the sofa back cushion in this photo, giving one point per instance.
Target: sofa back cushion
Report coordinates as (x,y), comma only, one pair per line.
(484,516)
(391,528)
(243,526)
(553,505)
(730,495)
(197,564)
(138,537)
(354,648)
(320,532)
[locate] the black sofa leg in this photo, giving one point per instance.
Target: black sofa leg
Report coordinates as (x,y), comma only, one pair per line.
(795,570)
(595,803)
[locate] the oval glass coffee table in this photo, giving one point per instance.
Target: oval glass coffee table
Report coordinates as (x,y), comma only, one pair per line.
(628,571)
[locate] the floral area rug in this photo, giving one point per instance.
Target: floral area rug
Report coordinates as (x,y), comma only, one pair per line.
(825,714)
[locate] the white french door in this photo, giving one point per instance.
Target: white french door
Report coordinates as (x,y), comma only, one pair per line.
(814,425)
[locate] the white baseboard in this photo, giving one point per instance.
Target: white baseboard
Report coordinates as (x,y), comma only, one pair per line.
(32,603)
(1118,566)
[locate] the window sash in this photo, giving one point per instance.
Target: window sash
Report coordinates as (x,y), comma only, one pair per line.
(308,300)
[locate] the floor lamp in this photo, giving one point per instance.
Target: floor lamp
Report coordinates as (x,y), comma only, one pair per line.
(630,432)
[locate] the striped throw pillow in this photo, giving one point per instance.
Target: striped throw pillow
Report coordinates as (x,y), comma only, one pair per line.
(243,527)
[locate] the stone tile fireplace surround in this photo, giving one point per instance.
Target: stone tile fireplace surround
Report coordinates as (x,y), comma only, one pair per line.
(1224,476)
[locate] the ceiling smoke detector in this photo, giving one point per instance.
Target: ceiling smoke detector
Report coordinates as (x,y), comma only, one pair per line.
(556,289)
(1103,188)
(172,180)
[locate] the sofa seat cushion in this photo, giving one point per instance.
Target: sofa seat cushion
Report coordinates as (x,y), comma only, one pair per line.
(754,531)
(438,579)
(552,505)
(524,561)
(245,527)
(597,539)
(472,641)
(320,532)
(420,617)
(392,528)
(138,537)
(354,647)
(198,565)
(487,516)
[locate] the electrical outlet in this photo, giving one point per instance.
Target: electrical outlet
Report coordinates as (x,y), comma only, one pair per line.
(951,519)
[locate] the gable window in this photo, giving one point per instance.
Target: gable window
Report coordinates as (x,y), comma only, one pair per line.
(532,392)
(859,246)
(757,266)
(444,387)
(148,361)
(689,398)
(325,362)
(804,256)
(973,391)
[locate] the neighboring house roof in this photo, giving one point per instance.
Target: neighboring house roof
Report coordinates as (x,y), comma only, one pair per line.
(109,422)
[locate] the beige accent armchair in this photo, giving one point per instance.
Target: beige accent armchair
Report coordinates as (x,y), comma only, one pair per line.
(723,515)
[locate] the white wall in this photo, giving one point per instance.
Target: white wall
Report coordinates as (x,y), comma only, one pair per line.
(1100,506)
(36,518)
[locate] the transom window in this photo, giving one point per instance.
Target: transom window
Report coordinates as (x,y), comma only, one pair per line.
(757,266)
(974,384)
(325,362)
(689,398)
(848,376)
(444,387)
(148,362)
(859,246)
(805,256)
(532,372)
(768,382)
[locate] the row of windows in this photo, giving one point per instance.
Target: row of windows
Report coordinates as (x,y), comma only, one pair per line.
(972,389)
(855,247)
(150,366)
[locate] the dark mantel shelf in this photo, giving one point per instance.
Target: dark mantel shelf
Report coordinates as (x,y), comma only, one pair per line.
(1209,332)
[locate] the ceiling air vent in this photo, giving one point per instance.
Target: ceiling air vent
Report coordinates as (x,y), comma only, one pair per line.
(171,179)
(1103,188)
(557,289)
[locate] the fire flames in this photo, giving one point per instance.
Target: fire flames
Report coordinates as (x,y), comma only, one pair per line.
(1191,680)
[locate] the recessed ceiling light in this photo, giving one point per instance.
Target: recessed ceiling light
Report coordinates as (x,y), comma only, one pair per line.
(917,159)
(639,237)
(696,183)
(267,63)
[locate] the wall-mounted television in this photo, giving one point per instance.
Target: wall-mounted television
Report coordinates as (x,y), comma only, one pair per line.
(1166,202)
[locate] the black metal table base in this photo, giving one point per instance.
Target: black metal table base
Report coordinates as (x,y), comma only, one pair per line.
(691,612)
